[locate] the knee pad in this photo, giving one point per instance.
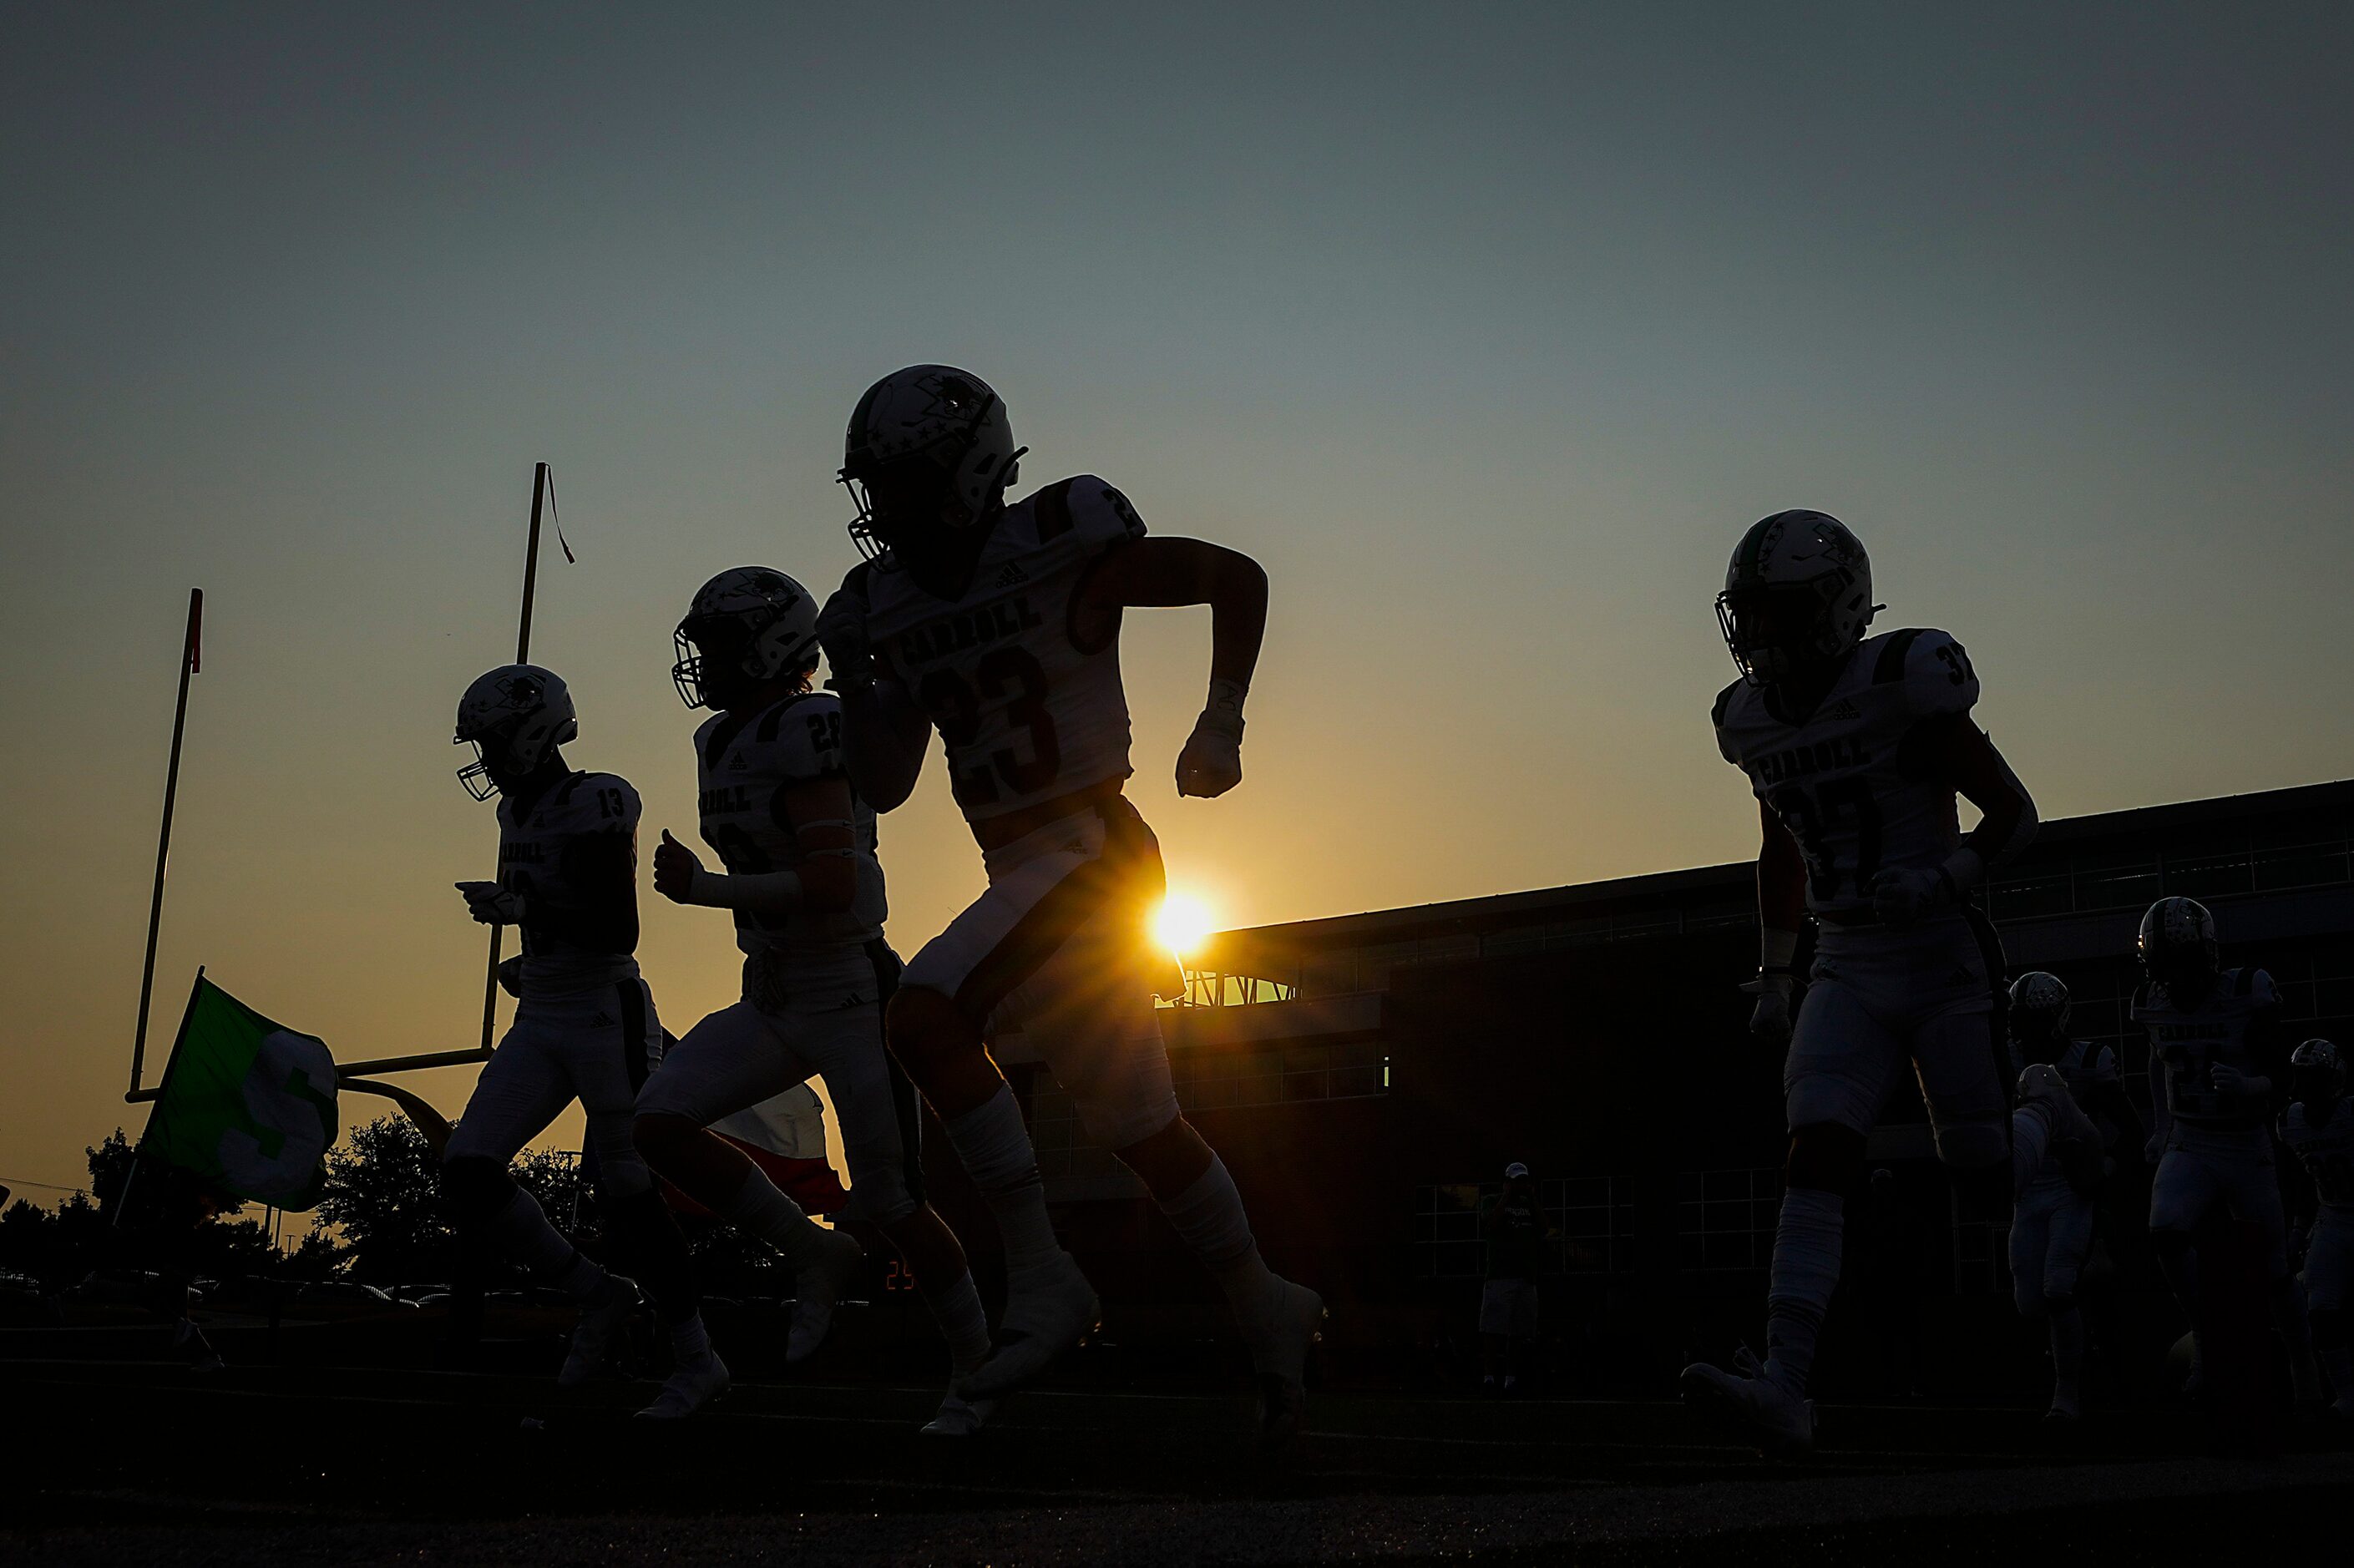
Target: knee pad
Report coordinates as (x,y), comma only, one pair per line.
(1972,1146)
(2030,1302)
(2059,1287)
(475,1186)
(1823,1156)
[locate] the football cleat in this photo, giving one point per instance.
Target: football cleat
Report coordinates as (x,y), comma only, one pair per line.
(960,1418)
(694,1385)
(816,1288)
(1284,1323)
(593,1336)
(1049,1307)
(1778,1421)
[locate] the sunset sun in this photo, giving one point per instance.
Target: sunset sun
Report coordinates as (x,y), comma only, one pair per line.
(1182,923)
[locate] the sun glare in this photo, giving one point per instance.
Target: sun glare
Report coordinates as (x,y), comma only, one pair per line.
(1182,924)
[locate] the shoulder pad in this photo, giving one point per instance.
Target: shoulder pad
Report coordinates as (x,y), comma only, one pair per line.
(858,581)
(801,738)
(1086,506)
(2104,1065)
(597,802)
(1931,666)
(1717,715)
(2256,985)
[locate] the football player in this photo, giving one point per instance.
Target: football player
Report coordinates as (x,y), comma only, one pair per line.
(584,1026)
(999,625)
(1856,747)
(802,879)
(2217,1063)
(2052,1219)
(2318,1127)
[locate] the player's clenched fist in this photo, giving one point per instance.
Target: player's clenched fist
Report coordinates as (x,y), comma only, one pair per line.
(675,869)
(1769,1020)
(1212,762)
(490,904)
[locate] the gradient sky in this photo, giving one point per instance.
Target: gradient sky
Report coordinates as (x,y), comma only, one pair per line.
(1486,329)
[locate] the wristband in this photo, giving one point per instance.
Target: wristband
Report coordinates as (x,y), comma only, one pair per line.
(1960,872)
(1223,712)
(1778,951)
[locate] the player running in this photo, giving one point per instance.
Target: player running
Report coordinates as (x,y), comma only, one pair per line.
(1856,748)
(2052,1220)
(2217,1062)
(807,893)
(584,1025)
(2318,1127)
(999,625)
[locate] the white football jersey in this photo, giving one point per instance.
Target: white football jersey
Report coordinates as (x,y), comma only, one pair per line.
(539,858)
(1026,710)
(745,766)
(2326,1149)
(2186,1043)
(1836,777)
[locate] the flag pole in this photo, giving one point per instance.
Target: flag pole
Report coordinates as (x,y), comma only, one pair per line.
(522,656)
(191,657)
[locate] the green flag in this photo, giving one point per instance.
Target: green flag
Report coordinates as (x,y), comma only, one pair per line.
(248,1105)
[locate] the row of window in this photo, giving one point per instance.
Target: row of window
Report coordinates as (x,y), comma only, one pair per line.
(2311,850)
(1724,1221)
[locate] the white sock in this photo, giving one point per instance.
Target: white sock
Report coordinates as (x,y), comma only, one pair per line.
(962,1323)
(689,1341)
(995,1150)
(759,1209)
(1208,1217)
(1800,1285)
(522,1230)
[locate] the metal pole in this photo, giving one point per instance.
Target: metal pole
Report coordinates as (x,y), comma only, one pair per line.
(522,656)
(188,660)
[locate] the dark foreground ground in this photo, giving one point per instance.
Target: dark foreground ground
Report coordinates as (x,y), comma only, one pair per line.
(120,1462)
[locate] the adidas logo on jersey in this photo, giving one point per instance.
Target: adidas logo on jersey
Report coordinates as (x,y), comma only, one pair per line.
(1844,713)
(1012,576)
(603,1020)
(737,763)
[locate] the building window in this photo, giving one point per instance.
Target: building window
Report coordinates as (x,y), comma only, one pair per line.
(1594,1214)
(1279,1075)
(1726,1219)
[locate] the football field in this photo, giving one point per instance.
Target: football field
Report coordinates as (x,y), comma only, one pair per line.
(124,1462)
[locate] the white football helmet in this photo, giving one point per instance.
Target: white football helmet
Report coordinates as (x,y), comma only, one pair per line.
(2177,945)
(747,625)
(1798,592)
(930,446)
(2316,1073)
(517,713)
(2039,1006)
